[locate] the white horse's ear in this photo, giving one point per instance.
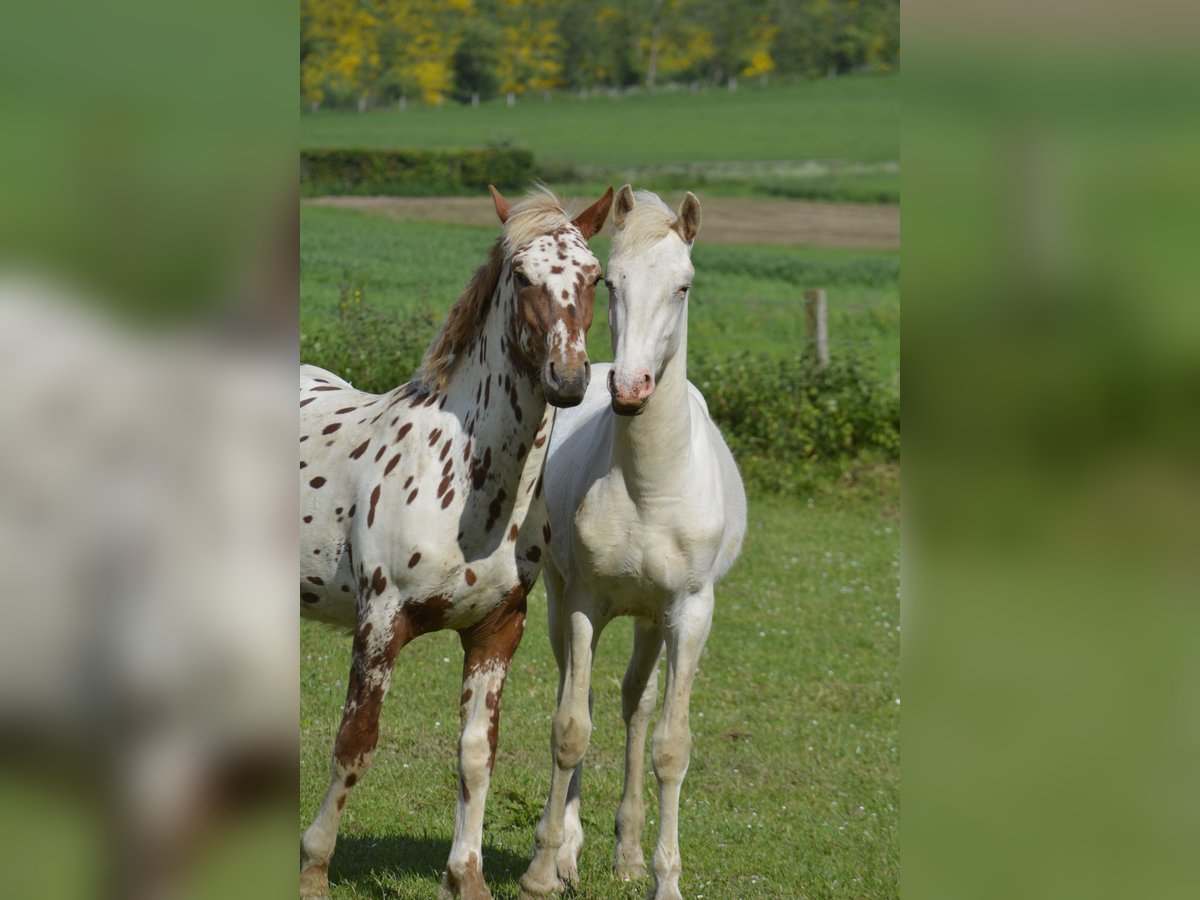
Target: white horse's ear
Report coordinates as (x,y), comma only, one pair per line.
(503,207)
(622,205)
(688,222)
(591,220)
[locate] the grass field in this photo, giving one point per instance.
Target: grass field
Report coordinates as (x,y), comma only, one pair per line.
(828,139)
(794,779)
(744,298)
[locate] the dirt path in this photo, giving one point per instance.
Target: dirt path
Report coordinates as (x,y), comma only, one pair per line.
(727,220)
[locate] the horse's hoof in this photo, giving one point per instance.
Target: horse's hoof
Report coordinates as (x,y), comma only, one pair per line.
(630,869)
(473,892)
(469,885)
(532,889)
(568,875)
(628,862)
(314,882)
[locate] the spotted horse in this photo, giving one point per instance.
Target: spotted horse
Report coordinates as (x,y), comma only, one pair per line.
(422,508)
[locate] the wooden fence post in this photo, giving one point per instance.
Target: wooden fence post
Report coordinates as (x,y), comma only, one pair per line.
(816,320)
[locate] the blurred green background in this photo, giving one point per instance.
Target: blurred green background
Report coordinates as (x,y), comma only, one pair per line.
(1051,366)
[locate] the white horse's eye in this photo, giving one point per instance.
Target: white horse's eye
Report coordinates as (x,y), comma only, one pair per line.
(683,290)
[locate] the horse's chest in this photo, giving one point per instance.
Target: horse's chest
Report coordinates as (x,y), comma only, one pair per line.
(639,552)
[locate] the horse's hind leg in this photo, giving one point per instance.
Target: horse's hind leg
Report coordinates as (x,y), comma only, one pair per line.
(375,649)
(639,693)
(488,649)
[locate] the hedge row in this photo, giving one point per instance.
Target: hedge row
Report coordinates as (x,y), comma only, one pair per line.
(413,172)
(791,422)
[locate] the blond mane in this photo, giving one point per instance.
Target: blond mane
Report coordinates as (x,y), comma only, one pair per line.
(538,212)
(645,225)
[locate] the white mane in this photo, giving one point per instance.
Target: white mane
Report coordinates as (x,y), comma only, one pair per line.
(646,224)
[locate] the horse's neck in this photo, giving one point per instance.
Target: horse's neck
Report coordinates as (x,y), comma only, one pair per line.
(495,393)
(652,448)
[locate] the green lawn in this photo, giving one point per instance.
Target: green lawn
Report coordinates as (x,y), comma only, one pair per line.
(672,139)
(793,789)
(854,118)
(744,298)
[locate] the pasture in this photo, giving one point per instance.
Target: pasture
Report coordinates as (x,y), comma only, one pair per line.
(828,139)
(793,789)
(794,783)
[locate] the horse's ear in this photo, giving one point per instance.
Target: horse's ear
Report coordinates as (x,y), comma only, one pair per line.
(503,207)
(688,222)
(591,220)
(624,203)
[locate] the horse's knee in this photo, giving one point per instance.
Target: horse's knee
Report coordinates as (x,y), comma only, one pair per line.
(670,753)
(571,734)
(474,752)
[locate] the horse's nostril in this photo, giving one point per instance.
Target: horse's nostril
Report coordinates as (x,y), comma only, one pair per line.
(612,381)
(646,378)
(553,375)
(587,371)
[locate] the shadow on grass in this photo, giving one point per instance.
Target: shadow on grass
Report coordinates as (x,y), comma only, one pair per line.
(370,864)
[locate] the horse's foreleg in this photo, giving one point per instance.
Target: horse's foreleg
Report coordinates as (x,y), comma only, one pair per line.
(689,623)
(488,648)
(639,692)
(567,859)
(568,742)
(374,653)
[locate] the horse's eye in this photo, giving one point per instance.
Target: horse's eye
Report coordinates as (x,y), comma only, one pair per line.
(684,289)
(522,281)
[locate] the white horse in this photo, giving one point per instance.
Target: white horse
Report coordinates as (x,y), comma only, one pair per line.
(647,513)
(422,508)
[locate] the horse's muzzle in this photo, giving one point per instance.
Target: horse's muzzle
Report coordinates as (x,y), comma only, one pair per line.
(629,399)
(565,387)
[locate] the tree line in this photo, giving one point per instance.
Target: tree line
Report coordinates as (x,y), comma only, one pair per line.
(370,52)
